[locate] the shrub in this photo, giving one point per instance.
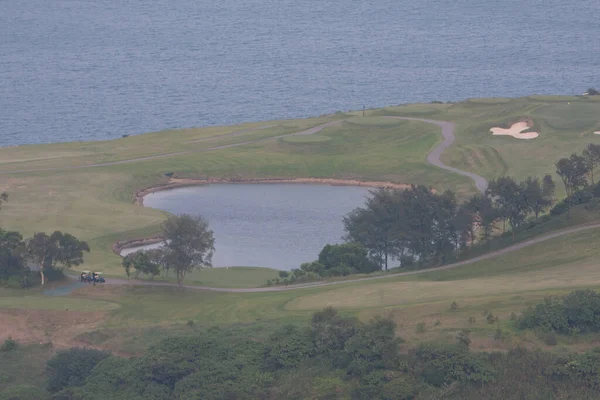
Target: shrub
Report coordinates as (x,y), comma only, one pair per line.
(288,347)
(420,327)
(491,319)
(346,258)
(578,311)
(399,389)
(464,338)
(71,367)
(190,323)
(472,320)
(500,334)
(582,310)
(437,323)
(580,367)
(8,345)
(284,274)
(454,306)
(442,364)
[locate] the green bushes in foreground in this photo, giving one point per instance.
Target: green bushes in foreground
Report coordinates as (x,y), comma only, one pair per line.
(334,357)
(577,312)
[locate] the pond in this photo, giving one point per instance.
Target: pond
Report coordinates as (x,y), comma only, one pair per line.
(276,226)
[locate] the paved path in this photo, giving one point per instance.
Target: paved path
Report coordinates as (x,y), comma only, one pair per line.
(487,256)
(434,157)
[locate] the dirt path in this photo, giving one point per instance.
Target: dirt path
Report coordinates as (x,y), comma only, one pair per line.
(487,256)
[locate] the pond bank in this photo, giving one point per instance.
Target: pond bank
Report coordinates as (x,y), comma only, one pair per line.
(174,183)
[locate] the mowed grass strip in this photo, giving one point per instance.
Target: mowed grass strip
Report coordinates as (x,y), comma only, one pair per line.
(226,277)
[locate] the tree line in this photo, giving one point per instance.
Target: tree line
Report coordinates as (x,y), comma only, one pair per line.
(49,254)
(420,226)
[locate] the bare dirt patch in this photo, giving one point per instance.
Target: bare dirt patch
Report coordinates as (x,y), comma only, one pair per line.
(46,326)
(516,130)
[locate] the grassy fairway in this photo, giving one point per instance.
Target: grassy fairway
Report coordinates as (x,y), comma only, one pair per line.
(229,277)
(95,203)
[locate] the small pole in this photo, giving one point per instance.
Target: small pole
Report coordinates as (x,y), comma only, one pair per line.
(363,110)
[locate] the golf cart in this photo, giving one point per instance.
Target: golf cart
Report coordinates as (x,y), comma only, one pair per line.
(98,278)
(91,277)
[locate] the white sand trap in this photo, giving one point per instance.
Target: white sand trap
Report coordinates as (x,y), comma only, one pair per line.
(515,131)
(597,132)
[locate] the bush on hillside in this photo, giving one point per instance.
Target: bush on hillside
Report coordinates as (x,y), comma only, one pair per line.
(577,312)
(71,367)
(442,364)
(8,345)
(336,260)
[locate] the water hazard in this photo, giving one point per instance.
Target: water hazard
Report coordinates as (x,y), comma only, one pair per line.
(268,225)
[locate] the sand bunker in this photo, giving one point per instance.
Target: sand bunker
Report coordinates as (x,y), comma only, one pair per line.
(515,131)
(597,132)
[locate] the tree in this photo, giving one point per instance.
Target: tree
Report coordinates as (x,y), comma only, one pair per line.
(127,264)
(69,249)
(573,172)
(375,227)
(11,255)
(592,157)
(592,92)
(510,199)
(538,197)
(486,214)
(189,244)
(142,263)
(49,251)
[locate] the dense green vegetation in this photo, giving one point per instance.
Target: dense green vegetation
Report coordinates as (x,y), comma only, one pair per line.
(334,357)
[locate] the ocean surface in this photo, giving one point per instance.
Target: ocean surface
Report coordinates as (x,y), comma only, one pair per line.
(97,69)
(278,226)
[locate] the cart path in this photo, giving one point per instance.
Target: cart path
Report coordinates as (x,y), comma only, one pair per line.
(497,253)
(433,157)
